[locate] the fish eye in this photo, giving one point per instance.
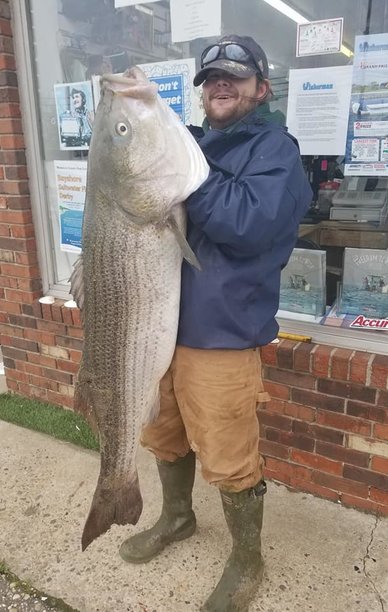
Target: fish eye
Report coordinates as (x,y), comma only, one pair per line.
(121,129)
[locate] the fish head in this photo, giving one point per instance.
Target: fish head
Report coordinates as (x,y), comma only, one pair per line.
(141,154)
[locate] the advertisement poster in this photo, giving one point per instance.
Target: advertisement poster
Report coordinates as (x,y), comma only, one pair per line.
(366,144)
(75,115)
(199,19)
(175,86)
(71,188)
(318,102)
(319,37)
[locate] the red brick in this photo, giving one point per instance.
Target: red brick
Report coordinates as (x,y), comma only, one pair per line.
(76,315)
(359,367)
(288,438)
(32,368)
(22,321)
(297,411)
(316,461)
(380,481)
(14,173)
(23,231)
(26,345)
(66,316)
(7,62)
(28,297)
(364,504)
(344,423)
(273,449)
(342,485)
(339,453)
(5,27)
(292,379)
(26,259)
(285,471)
(17,375)
(285,354)
(321,360)
(317,432)
(11,307)
(274,420)
(42,360)
(46,312)
(75,356)
(77,332)
(51,326)
(318,400)
(60,400)
(58,376)
(302,356)
(379,496)
(381,431)
(382,399)
(366,411)
(379,376)
(274,406)
(11,269)
(67,342)
(10,126)
(268,354)
(314,489)
(340,363)
(274,389)
(57,313)
(333,387)
(67,366)
(37,309)
(379,464)
(43,382)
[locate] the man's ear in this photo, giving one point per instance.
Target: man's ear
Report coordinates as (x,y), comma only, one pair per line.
(264,91)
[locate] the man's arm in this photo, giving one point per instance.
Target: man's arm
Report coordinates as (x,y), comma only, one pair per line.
(246,213)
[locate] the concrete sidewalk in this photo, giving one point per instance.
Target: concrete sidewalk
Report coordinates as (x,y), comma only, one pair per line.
(319,556)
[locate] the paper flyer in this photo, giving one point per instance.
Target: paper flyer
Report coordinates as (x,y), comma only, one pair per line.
(318,102)
(192,19)
(366,144)
(175,86)
(75,115)
(319,37)
(70,179)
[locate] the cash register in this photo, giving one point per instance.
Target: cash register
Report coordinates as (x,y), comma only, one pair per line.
(361,199)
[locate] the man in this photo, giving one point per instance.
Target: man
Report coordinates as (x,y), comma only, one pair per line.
(242,225)
(82,114)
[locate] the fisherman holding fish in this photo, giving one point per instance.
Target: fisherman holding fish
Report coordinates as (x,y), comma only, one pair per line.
(242,226)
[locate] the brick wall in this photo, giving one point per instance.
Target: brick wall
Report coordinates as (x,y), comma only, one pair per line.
(325,430)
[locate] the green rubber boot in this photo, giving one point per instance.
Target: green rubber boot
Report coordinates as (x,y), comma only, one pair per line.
(177,520)
(244,569)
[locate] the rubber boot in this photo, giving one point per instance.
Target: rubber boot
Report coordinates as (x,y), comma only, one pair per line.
(177,520)
(244,568)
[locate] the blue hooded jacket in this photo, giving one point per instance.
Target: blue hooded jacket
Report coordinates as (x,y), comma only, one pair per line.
(242,225)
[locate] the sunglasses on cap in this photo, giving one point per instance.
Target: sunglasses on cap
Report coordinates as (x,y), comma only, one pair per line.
(231,51)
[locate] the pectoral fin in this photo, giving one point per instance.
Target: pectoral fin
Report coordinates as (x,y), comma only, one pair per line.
(187,252)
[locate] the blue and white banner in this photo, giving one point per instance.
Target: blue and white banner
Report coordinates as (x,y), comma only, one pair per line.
(71,190)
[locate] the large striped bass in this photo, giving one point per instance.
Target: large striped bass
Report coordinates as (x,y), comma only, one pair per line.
(143,163)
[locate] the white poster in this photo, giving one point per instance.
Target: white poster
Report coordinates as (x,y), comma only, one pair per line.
(317,112)
(366,147)
(175,83)
(75,115)
(319,37)
(121,3)
(195,19)
(70,178)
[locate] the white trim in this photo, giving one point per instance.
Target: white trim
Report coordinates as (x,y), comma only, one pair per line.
(369,341)
(29,109)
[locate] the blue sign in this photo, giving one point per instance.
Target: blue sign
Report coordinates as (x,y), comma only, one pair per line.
(171,89)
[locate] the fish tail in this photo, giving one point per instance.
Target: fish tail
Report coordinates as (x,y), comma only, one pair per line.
(122,506)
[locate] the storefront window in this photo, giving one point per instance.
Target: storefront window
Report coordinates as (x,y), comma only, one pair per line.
(340,266)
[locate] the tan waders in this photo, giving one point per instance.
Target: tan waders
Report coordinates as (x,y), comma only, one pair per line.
(244,568)
(177,520)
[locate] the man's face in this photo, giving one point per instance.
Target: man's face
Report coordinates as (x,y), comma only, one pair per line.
(227,99)
(77,100)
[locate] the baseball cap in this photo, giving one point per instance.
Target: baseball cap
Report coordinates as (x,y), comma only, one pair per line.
(237,55)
